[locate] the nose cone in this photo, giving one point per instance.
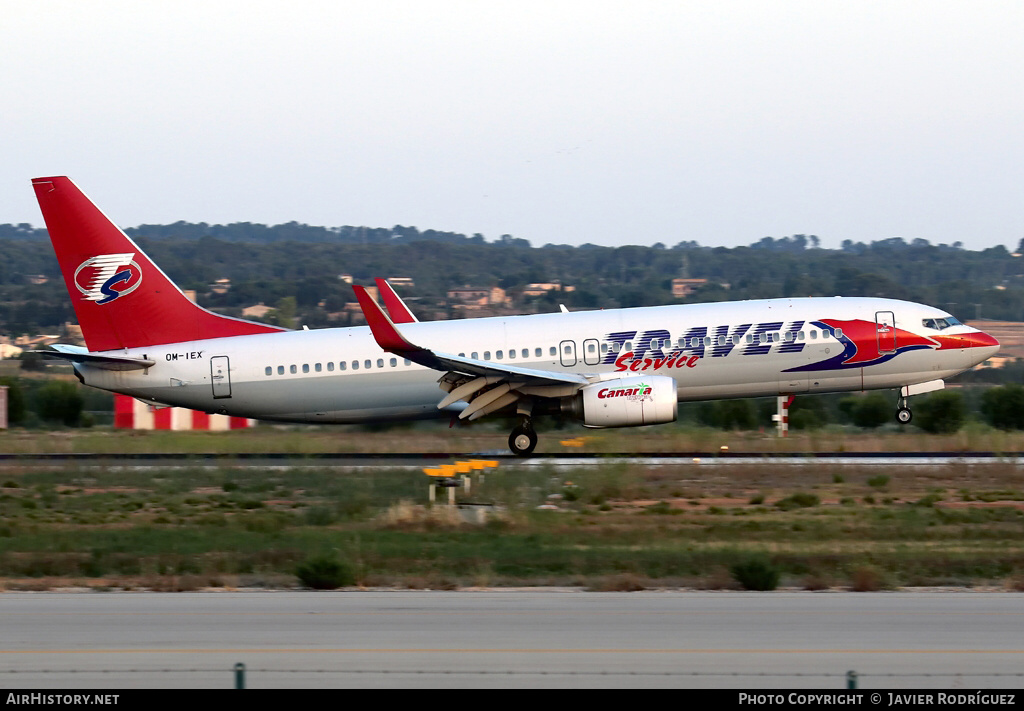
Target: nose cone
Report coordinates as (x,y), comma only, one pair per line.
(983,345)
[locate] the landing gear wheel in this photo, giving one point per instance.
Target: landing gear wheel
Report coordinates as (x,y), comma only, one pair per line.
(522,441)
(904,415)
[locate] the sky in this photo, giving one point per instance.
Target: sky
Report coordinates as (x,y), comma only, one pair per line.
(556,121)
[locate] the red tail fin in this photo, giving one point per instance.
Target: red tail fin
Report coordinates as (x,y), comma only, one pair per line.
(121,298)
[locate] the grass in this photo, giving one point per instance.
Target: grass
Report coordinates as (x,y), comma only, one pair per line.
(490,436)
(628,526)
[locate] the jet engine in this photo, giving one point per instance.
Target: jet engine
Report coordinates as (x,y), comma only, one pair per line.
(626,402)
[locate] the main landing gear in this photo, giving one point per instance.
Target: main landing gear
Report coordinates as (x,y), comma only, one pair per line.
(903,413)
(523,439)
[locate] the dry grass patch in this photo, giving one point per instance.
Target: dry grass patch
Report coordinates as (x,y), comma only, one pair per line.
(1015,583)
(623,582)
(406,515)
(867,578)
(815,582)
(719,579)
(432,581)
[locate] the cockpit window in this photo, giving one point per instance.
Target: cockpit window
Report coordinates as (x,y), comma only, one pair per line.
(940,323)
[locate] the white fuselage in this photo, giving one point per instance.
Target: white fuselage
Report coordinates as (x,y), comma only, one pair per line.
(341,375)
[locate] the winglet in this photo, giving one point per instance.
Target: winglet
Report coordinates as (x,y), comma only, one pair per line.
(387,336)
(382,327)
(399,312)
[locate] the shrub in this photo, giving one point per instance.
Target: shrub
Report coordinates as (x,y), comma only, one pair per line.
(872,410)
(808,412)
(879,482)
(662,507)
(728,414)
(1003,406)
(942,412)
(33,361)
(325,572)
(318,516)
(59,401)
(799,500)
(756,574)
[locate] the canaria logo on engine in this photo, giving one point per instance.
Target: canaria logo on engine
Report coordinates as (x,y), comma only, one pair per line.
(107,277)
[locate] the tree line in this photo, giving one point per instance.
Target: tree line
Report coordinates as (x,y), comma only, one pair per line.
(270,263)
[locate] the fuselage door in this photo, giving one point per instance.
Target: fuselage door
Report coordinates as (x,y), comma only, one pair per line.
(885,330)
(591,351)
(220,376)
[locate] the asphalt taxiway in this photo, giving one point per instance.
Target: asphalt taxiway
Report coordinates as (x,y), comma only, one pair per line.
(519,638)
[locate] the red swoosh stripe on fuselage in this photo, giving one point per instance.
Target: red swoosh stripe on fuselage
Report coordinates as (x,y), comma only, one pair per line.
(860,345)
(977,339)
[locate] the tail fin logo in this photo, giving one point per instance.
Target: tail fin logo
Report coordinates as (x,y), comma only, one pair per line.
(106,277)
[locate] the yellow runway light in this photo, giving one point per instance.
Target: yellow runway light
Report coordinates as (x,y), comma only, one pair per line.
(483,463)
(445,470)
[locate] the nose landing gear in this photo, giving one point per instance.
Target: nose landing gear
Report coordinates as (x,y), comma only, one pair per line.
(903,413)
(523,439)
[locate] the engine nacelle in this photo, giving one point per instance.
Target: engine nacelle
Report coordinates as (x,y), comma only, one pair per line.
(628,402)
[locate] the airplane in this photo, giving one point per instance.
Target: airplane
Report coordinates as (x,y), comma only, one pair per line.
(606,368)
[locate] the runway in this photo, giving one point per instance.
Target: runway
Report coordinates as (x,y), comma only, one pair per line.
(519,638)
(416,460)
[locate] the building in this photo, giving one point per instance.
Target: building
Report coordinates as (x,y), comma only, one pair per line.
(221,286)
(542,288)
(478,296)
(258,311)
(681,288)
(42,339)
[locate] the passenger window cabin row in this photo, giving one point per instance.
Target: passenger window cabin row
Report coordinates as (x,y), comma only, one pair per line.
(513,354)
(331,367)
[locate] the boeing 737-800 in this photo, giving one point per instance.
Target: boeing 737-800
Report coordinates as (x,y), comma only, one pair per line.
(613,368)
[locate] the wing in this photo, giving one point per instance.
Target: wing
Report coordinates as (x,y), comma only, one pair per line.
(485,386)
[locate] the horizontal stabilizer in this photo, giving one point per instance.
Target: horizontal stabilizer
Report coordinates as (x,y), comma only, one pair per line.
(77,354)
